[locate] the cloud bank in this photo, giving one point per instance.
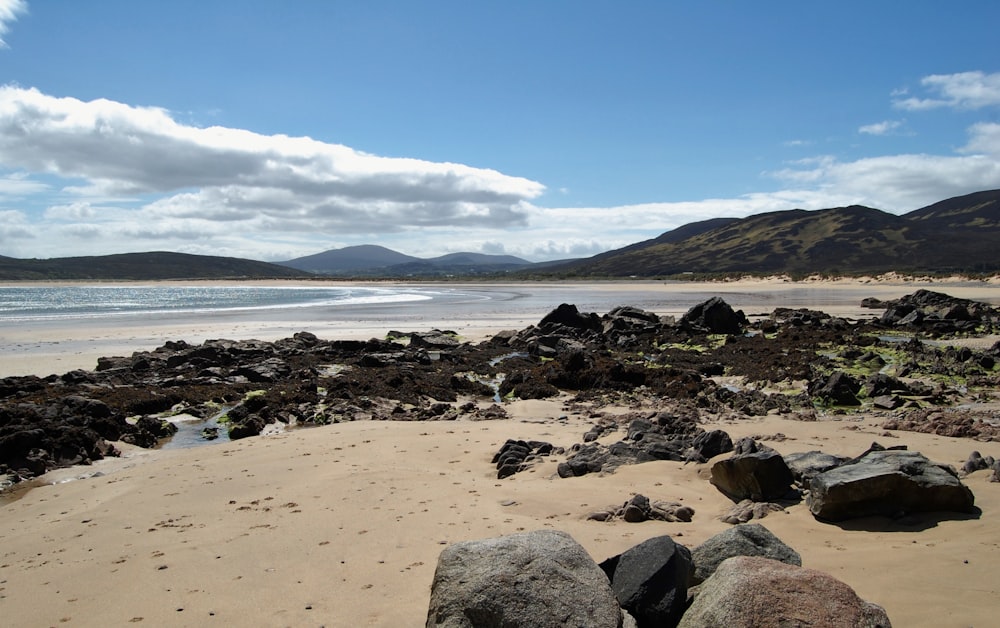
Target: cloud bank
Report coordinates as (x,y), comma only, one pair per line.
(216,180)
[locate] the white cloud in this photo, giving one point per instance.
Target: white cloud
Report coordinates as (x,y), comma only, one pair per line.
(984,138)
(880,128)
(9,10)
(964,90)
(120,150)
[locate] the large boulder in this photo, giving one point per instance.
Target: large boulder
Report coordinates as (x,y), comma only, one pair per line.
(714,316)
(889,482)
(567,315)
(757,592)
(751,539)
(541,579)
(651,580)
(754,472)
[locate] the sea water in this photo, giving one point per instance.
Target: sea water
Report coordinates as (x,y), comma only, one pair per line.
(26,303)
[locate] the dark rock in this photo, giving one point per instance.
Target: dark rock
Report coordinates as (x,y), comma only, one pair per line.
(753,591)
(808,464)
(714,316)
(751,539)
(839,389)
(754,472)
(651,580)
(710,444)
(566,315)
(543,579)
(887,483)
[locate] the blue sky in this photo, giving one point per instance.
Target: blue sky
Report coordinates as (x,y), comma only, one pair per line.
(543,129)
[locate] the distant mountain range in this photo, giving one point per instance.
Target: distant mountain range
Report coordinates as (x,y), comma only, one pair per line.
(958,235)
(369,259)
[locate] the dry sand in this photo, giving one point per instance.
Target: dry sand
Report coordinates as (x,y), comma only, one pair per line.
(342,525)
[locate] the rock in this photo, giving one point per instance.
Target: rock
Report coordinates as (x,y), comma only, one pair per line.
(976,462)
(542,578)
(434,339)
(751,539)
(890,483)
(748,510)
(567,315)
(839,389)
(710,444)
(651,580)
(756,592)
(714,316)
(754,472)
(518,455)
(806,465)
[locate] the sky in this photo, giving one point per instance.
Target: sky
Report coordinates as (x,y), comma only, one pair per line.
(542,129)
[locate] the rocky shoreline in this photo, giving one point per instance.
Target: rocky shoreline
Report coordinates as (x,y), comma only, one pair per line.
(713,361)
(650,386)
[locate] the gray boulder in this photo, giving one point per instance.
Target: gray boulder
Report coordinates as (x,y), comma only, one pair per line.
(890,483)
(651,580)
(751,539)
(754,472)
(542,578)
(757,592)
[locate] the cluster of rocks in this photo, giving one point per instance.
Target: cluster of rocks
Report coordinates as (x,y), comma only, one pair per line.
(664,436)
(627,353)
(519,455)
(936,312)
(743,577)
(880,482)
(978,462)
(639,508)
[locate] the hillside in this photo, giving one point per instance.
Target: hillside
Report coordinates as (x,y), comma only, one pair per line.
(378,261)
(349,260)
(955,235)
(141,267)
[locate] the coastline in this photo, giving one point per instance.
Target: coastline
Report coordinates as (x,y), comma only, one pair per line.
(341,525)
(46,347)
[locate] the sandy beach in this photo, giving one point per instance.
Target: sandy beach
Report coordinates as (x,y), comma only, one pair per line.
(341,525)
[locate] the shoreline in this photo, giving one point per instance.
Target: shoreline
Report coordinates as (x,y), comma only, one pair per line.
(47,347)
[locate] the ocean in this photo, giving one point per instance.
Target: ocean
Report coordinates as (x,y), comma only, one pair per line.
(38,303)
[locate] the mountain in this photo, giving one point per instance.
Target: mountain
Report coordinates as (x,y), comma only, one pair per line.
(956,235)
(370,260)
(142,267)
(349,260)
